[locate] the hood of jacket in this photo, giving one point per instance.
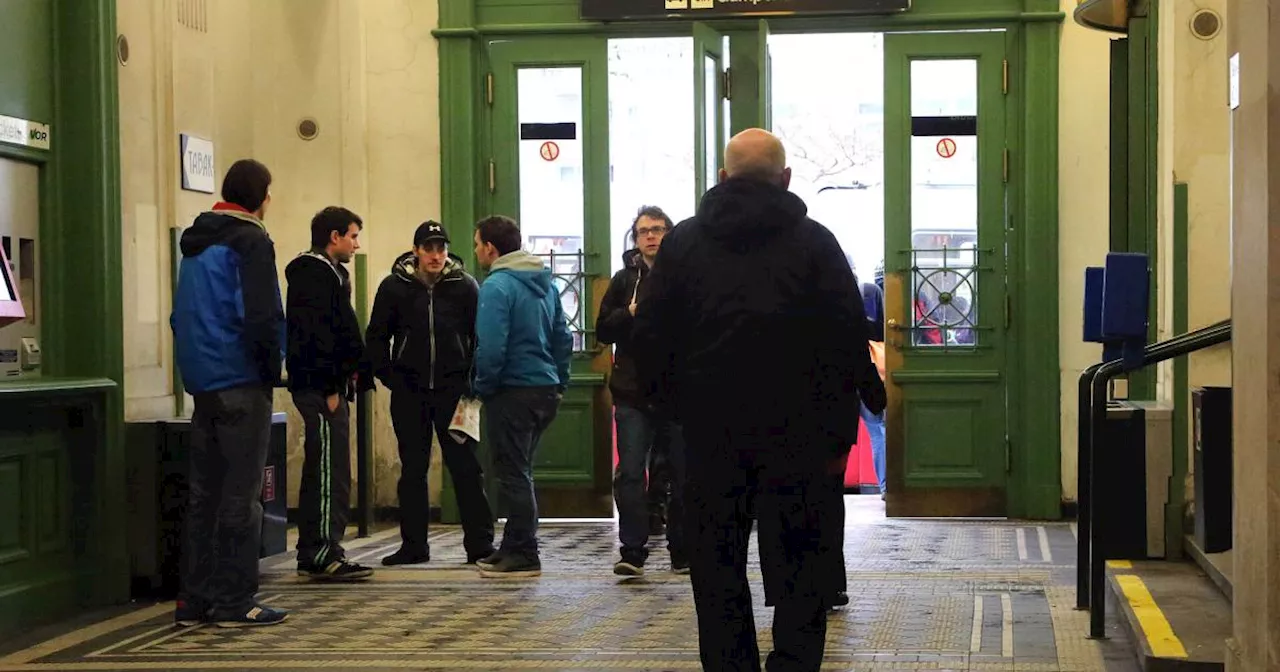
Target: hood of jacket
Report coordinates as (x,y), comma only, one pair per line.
(406,267)
(211,227)
(747,214)
(526,268)
(632,259)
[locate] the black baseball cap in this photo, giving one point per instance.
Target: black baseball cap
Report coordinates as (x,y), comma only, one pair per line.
(430,231)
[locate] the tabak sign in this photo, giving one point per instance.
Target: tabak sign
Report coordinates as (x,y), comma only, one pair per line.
(613,10)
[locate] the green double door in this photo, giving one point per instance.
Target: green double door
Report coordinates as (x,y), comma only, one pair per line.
(546,145)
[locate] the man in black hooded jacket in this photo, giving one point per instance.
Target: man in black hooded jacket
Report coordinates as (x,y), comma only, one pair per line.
(754,333)
(323,355)
(421,342)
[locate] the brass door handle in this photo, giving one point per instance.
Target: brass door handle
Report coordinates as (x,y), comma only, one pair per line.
(892,323)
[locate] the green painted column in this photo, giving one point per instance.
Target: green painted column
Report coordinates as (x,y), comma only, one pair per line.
(1038,477)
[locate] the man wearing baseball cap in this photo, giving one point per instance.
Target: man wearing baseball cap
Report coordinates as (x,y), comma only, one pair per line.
(421,342)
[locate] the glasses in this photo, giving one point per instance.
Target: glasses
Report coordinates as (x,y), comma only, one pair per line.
(651,231)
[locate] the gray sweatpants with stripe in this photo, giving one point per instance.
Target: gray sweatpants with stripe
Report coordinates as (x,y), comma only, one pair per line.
(324,501)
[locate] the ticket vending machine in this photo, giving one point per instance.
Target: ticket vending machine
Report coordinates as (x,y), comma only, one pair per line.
(19,286)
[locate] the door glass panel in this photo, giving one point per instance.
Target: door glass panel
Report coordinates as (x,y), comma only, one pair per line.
(651,149)
(712,148)
(552,194)
(944,202)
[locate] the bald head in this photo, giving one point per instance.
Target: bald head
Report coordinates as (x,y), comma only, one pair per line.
(756,154)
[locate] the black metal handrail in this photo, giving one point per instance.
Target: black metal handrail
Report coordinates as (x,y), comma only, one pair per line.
(1091,560)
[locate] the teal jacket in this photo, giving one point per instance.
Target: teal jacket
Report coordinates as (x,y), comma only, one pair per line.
(522,339)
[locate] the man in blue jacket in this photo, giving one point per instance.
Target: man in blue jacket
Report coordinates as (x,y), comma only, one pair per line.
(523,348)
(228,331)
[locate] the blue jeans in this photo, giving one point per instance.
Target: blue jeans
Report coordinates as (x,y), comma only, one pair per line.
(875,428)
(639,433)
(515,419)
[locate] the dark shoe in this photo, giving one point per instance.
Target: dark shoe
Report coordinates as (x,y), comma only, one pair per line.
(338,571)
(190,614)
(407,556)
(837,600)
(255,616)
(482,556)
(511,564)
(657,526)
(491,560)
(631,564)
(679,565)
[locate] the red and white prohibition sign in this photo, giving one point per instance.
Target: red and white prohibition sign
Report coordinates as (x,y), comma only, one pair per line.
(550,151)
(946,148)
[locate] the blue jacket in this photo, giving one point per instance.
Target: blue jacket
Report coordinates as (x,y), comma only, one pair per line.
(228,319)
(522,339)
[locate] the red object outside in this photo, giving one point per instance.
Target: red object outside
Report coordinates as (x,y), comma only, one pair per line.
(860,471)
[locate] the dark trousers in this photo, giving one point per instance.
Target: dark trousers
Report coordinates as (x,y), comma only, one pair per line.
(324,500)
(414,414)
(515,419)
(640,435)
(784,476)
(660,488)
(230,434)
(833,526)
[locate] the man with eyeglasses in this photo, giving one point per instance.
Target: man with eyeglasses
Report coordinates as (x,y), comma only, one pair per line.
(642,429)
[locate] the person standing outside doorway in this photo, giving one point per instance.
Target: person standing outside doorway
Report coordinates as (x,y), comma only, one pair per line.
(421,346)
(228,333)
(523,351)
(753,332)
(325,350)
(642,429)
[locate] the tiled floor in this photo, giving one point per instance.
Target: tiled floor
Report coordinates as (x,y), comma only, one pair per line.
(925,595)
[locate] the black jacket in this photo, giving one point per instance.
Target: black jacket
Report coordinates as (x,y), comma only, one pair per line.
(324,343)
(753,320)
(424,338)
(613,326)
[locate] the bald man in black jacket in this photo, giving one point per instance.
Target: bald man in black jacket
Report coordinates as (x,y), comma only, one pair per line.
(750,337)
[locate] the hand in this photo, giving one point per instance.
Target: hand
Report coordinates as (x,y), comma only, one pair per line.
(332,401)
(632,308)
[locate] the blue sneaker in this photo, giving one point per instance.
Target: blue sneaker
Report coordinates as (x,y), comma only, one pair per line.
(257,615)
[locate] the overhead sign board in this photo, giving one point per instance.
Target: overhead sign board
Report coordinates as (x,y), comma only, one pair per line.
(23,132)
(614,10)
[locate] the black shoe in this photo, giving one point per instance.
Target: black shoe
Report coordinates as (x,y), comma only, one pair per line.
(657,525)
(631,564)
(407,556)
(189,614)
(679,564)
(511,564)
(482,556)
(256,615)
(336,570)
(837,600)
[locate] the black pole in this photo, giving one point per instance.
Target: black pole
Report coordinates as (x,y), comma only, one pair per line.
(1097,552)
(364,464)
(1084,470)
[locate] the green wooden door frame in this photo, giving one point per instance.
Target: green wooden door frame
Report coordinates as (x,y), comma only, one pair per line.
(75,91)
(949,402)
(1032,29)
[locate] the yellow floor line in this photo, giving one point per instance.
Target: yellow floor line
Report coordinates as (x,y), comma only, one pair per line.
(1164,644)
(1120,564)
(86,634)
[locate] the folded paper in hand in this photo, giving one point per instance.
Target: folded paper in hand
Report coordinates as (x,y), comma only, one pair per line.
(466,420)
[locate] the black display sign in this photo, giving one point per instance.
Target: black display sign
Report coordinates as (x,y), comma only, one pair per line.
(614,10)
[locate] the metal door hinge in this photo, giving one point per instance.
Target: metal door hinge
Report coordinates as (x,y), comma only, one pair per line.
(1008,455)
(728,83)
(488,89)
(1005,170)
(493,176)
(1004,81)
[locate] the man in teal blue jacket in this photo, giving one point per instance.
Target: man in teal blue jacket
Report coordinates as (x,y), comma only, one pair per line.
(523,348)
